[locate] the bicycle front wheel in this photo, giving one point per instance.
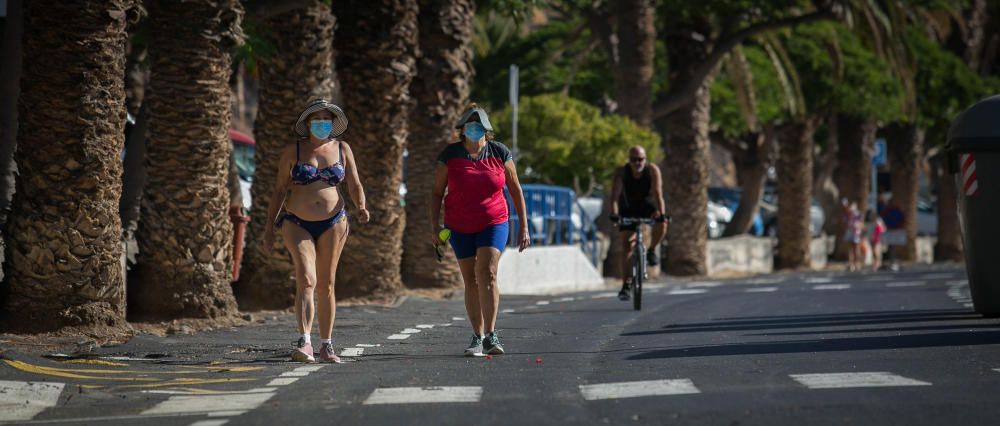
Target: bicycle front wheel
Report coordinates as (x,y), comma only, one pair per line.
(637,279)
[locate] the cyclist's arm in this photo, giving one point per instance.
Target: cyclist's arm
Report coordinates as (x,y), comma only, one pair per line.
(616,190)
(437,196)
(656,189)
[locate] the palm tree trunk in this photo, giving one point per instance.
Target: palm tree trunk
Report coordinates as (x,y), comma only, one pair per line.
(63,232)
(949,235)
(634,72)
(300,69)
(824,188)
(185,235)
(685,166)
(441,90)
(906,152)
(751,164)
(377,43)
(856,142)
(10,76)
(795,177)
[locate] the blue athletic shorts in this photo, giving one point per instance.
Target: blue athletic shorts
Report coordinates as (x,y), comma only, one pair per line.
(465,245)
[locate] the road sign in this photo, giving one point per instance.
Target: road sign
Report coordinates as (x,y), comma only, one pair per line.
(878,159)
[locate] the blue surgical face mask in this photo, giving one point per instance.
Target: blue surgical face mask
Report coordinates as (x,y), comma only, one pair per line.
(474,131)
(320,129)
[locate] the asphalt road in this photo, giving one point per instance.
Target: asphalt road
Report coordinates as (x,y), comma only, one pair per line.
(820,348)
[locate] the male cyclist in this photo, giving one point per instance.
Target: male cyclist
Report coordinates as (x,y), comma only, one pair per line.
(637,192)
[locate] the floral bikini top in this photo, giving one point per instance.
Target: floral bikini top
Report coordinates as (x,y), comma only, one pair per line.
(305,173)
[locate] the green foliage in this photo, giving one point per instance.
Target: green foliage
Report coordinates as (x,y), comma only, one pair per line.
(945,85)
(254,47)
(562,140)
(863,85)
(767,89)
(546,58)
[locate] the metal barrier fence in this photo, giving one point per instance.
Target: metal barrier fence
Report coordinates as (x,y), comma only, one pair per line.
(551,210)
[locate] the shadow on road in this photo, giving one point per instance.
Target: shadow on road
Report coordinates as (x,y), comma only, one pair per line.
(810,321)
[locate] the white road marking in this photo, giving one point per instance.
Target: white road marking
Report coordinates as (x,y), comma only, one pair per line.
(957,282)
(507,311)
(542,302)
(704,284)
(352,352)
(209,403)
(637,389)
(565,299)
(906,284)
(177,392)
(368,345)
(604,295)
(818,280)
(854,380)
(282,381)
(761,290)
(832,287)
(210,422)
(457,319)
(425,326)
(24,400)
(967,305)
(687,291)
(425,395)
(399,337)
(997,370)
(447,324)
(226,413)
(410,331)
(310,368)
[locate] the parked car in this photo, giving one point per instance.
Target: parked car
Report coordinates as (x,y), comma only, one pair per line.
(730,199)
(927,217)
(244,147)
(770,199)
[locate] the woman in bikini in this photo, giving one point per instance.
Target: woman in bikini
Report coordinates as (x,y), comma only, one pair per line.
(309,210)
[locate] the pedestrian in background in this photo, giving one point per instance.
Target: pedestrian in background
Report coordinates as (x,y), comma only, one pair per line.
(474,171)
(313,219)
(852,235)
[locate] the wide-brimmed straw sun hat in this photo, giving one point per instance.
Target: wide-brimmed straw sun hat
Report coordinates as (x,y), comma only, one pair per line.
(339,122)
(483,118)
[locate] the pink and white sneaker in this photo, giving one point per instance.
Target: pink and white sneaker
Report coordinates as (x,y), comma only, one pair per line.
(303,351)
(328,354)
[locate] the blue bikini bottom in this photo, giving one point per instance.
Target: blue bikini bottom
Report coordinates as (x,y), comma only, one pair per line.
(315,228)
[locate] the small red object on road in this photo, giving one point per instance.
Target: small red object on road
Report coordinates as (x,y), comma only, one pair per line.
(488,357)
(538,360)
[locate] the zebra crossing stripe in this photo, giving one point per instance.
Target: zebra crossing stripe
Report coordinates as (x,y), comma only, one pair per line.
(209,403)
(424,395)
(762,289)
(687,291)
(906,284)
(831,287)
(216,422)
(352,352)
(855,380)
(24,400)
(621,390)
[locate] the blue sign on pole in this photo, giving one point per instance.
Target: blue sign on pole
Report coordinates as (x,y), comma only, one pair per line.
(878,159)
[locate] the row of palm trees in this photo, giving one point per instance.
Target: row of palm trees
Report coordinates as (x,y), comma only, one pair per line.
(65,265)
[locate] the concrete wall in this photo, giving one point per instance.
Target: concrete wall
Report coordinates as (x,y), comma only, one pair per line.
(925,249)
(547,270)
(819,251)
(740,254)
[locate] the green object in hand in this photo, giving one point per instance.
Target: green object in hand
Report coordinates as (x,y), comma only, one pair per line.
(444,235)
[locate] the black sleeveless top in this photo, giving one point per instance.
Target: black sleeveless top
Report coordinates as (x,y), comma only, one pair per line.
(636,189)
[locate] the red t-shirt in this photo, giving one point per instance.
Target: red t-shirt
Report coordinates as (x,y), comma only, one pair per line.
(475,187)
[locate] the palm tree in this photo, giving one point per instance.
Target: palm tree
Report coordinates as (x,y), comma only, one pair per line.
(64,247)
(10,75)
(634,70)
(441,91)
(794,193)
(185,234)
(298,67)
(376,49)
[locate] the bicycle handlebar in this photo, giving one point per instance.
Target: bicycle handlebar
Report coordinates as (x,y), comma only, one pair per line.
(636,220)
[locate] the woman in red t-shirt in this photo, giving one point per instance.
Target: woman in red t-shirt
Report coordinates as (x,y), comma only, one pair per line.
(474,171)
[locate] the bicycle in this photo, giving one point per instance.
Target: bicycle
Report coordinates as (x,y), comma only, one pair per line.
(638,257)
